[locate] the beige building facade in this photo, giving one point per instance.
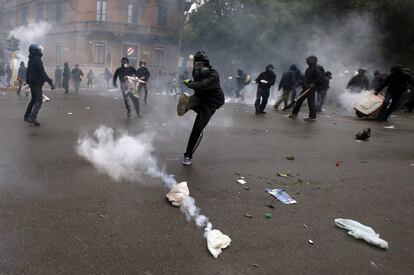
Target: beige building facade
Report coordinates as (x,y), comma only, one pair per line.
(97,33)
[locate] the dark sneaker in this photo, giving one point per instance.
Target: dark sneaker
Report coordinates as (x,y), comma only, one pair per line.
(309,119)
(292,116)
(187,161)
(182,104)
(276,108)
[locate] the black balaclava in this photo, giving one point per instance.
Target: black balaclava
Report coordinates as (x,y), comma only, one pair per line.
(311,60)
(201,66)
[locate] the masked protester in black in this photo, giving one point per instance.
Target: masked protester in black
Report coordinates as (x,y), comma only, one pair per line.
(241,78)
(66,77)
(397,83)
(314,77)
(143,74)
(121,73)
(208,97)
(264,81)
(359,82)
(35,77)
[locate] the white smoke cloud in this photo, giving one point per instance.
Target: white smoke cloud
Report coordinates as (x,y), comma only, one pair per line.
(126,157)
(34,32)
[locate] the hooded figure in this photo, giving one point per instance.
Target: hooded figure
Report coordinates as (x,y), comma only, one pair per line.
(208,97)
(21,77)
(359,82)
(397,84)
(144,75)
(58,77)
(77,75)
(264,81)
(35,77)
(66,77)
(122,73)
(241,79)
(314,76)
(287,84)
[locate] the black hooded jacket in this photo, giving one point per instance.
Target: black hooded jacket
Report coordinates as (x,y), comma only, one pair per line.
(143,72)
(314,76)
(121,72)
(397,82)
(208,89)
(36,75)
(268,77)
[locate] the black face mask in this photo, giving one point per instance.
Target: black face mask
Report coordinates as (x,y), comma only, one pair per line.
(200,71)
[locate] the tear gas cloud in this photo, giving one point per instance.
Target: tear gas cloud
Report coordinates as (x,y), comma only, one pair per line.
(34,32)
(342,46)
(125,157)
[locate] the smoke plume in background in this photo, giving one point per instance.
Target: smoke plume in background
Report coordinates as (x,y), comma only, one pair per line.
(284,34)
(126,157)
(34,32)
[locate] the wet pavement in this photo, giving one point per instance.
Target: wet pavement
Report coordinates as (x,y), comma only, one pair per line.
(59,215)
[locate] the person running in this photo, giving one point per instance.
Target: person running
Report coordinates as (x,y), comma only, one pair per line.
(208,97)
(21,77)
(58,77)
(90,76)
(286,84)
(144,75)
(122,72)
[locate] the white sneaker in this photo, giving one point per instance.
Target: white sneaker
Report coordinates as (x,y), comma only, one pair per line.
(186,161)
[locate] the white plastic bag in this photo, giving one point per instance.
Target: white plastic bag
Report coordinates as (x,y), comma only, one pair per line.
(178,193)
(216,241)
(360,231)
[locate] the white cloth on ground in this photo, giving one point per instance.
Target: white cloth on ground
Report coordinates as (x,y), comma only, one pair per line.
(178,193)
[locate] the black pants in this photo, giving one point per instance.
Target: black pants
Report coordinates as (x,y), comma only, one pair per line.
(311,103)
(204,113)
(127,94)
(262,97)
(35,103)
(387,108)
(143,86)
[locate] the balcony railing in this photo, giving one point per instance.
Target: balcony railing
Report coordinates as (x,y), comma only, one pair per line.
(115,27)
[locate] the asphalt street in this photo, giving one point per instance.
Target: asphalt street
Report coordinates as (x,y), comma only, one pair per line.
(59,215)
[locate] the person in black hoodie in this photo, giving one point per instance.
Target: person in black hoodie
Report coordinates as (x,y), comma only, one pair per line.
(397,83)
(121,73)
(208,97)
(35,77)
(264,81)
(314,76)
(143,74)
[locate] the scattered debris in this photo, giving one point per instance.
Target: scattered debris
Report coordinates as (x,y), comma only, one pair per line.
(87,108)
(242,177)
(290,158)
(311,242)
(360,231)
(246,187)
(102,216)
(364,135)
(373,264)
(281,195)
(241,181)
(69,113)
(255,265)
(338,163)
(270,206)
(178,193)
(412,164)
(237,173)
(247,215)
(268,216)
(304,225)
(216,241)
(284,174)
(389,127)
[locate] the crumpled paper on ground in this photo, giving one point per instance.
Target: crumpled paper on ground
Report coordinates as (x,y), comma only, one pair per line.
(216,241)
(178,193)
(360,231)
